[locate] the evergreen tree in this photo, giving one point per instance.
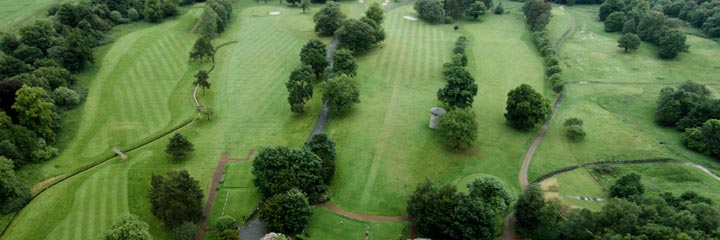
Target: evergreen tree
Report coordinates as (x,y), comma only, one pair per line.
(179,146)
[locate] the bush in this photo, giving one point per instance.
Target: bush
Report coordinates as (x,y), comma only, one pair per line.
(357,36)
(133,15)
(575,133)
(615,22)
(430,11)
(526,107)
(551,60)
(553,69)
(499,9)
(224,223)
(65,97)
(705,139)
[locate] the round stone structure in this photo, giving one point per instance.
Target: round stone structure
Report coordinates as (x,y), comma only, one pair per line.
(435,114)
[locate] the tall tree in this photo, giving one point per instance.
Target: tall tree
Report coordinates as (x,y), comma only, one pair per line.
(201,79)
(209,23)
(356,35)
(279,169)
(375,13)
(672,43)
(344,63)
(179,146)
(202,48)
(287,213)
(429,208)
(459,128)
(628,187)
(526,107)
(460,90)
(126,228)
(175,199)
(537,14)
(324,148)
(430,10)
(313,54)
(328,19)
(35,111)
(615,22)
(528,209)
(477,8)
(629,42)
(300,88)
(341,93)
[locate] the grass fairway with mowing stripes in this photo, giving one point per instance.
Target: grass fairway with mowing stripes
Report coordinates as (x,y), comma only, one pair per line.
(328,225)
(138,88)
(15,13)
(248,95)
(384,144)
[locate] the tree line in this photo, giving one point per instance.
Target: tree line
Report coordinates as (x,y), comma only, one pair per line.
(702,14)
(436,11)
(36,75)
(629,214)
(637,20)
(690,108)
(537,16)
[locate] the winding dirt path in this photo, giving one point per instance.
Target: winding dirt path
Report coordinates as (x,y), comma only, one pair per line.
(536,142)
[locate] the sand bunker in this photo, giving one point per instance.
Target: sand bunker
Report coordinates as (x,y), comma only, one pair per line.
(274,13)
(411,18)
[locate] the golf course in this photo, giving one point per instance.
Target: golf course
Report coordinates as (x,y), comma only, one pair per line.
(143,91)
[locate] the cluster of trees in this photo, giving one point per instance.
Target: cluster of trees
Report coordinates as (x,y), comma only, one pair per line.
(573,2)
(629,214)
(459,126)
(553,72)
(574,129)
(436,11)
(291,180)
(226,228)
(340,92)
(444,213)
(357,35)
(702,14)
(176,200)
(215,17)
(636,17)
(525,108)
(690,109)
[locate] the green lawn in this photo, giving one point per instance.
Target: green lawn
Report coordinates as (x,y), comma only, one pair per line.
(384,145)
(16,13)
(327,225)
(618,118)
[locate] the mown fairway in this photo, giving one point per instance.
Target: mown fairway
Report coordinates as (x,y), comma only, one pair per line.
(250,111)
(385,147)
(618,116)
(14,13)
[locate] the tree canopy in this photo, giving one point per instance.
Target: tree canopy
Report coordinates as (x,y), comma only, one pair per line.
(175,199)
(328,19)
(526,108)
(35,111)
(13,195)
(179,146)
(460,90)
(344,62)
(287,213)
(430,10)
(313,53)
(128,227)
(459,128)
(356,35)
(628,187)
(300,88)
(324,148)
(629,42)
(537,14)
(201,49)
(340,94)
(279,169)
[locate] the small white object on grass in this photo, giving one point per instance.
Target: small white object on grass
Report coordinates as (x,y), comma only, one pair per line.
(361,1)
(274,13)
(385,3)
(411,18)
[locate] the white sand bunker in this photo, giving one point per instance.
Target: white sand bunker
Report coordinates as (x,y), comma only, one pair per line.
(274,13)
(361,1)
(385,3)
(411,18)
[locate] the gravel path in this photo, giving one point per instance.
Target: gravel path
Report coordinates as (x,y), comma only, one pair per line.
(536,142)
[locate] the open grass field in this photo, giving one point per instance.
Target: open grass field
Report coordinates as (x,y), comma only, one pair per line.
(619,117)
(384,145)
(14,14)
(328,225)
